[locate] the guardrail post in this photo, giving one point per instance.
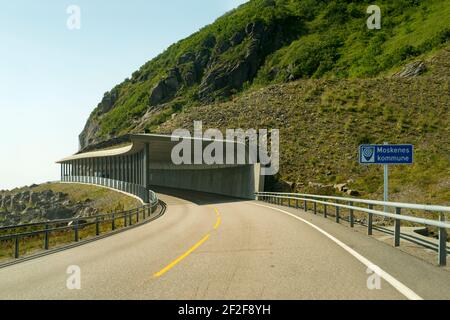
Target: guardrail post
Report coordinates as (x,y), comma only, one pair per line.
(370,221)
(125,220)
(397,228)
(137,215)
(76,230)
(97,227)
(16,248)
(129,219)
(315,207)
(296,204)
(113,222)
(442,251)
(351,217)
(46,237)
(305,205)
(289,202)
(325,214)
(337,214)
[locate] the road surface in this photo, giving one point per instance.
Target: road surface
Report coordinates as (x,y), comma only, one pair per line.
(212,247)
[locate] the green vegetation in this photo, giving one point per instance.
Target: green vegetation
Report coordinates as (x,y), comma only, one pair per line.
(300,39)
(322,123)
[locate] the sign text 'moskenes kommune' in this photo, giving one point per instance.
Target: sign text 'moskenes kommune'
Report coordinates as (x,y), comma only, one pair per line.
(386,154)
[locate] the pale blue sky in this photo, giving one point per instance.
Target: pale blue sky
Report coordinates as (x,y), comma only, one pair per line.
(51,77)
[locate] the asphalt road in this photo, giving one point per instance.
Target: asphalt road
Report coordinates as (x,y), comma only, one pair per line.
(210,247)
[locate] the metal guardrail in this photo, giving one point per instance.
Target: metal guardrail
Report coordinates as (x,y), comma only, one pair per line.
(349,203)
(75,225)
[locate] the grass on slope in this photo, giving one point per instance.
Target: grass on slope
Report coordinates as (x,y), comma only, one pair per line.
(322,123)
(103,199)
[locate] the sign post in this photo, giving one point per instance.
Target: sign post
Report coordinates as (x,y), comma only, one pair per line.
(386,154)
(386,184)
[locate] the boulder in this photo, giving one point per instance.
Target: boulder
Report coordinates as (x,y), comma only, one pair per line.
(342,187)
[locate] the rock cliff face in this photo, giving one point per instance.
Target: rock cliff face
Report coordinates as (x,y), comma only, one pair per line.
(206,72)
(29,207)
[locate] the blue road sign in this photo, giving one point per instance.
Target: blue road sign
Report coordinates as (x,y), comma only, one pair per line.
(386,154)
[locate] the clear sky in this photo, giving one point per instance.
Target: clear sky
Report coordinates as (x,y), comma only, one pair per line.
(52,77)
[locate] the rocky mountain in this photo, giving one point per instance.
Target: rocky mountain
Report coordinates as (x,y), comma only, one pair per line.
(267,42)
(314,70)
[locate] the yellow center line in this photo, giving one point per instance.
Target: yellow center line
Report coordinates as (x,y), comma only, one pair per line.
(187,253)
(184,255)
(218,219)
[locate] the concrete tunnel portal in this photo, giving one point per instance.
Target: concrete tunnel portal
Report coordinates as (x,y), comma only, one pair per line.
(137,162)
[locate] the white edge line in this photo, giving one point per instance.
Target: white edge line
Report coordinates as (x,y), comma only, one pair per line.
(400,287)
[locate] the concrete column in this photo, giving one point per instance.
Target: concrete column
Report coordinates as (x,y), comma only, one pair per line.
(120,167)
(127,172)
(138,165)
(135,180)
(78,170)
(94,170)
(107,171)
(75,170)
(114,171)
(83,170)
(145,182)
(102,171)
(91,169)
